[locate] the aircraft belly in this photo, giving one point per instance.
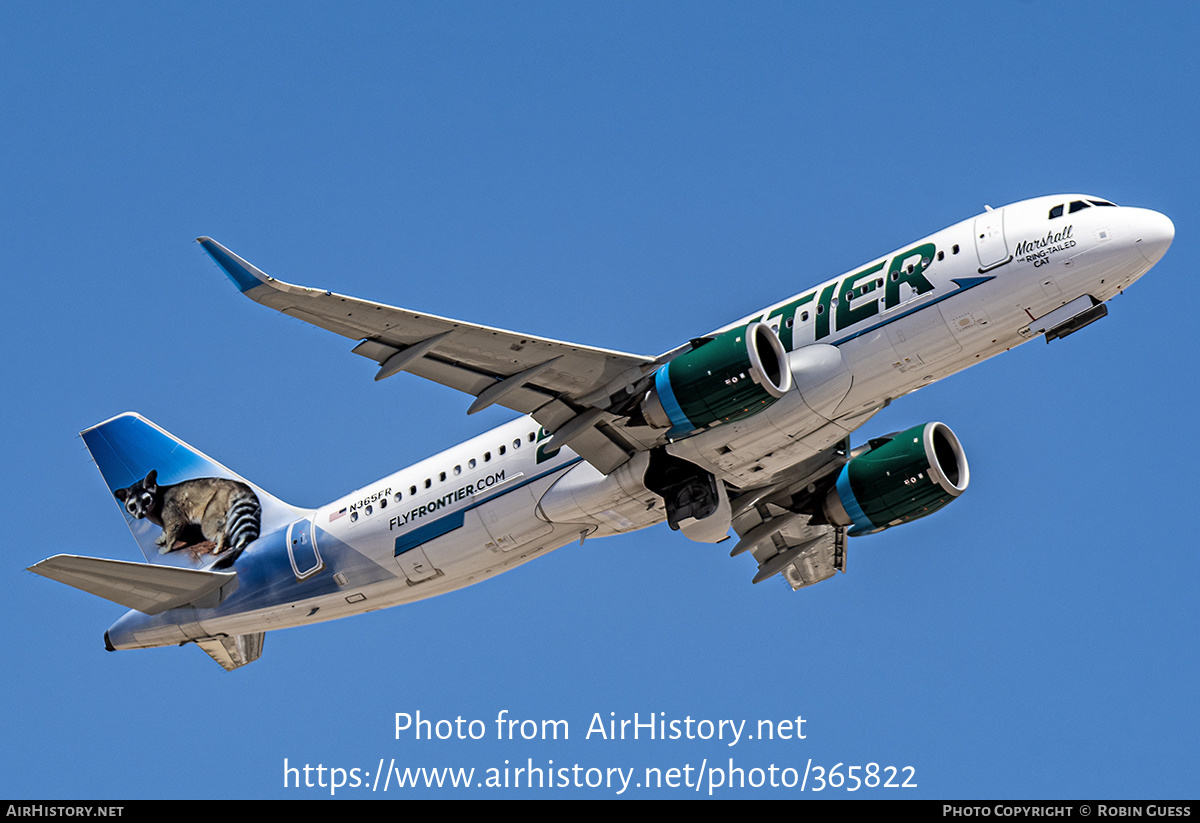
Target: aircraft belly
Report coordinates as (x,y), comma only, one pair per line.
(872,362)
(1100,274)
(140,631)
(921,339)
(591,503)
(509,521)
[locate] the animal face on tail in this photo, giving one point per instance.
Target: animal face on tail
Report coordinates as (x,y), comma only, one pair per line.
(215,509)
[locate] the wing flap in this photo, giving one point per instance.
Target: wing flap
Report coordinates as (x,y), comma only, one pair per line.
(773,526)
(147,588)
(803,553)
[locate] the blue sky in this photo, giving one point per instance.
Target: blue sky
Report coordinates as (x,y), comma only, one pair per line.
(625,175)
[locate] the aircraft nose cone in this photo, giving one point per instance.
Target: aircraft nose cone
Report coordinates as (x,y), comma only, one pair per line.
(1153,233)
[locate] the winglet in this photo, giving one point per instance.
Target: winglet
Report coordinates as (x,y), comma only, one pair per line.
(244,275)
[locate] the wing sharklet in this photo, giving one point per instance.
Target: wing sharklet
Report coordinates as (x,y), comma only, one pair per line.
(244,275)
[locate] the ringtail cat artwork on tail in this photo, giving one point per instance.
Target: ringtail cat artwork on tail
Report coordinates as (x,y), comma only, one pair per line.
(226,512)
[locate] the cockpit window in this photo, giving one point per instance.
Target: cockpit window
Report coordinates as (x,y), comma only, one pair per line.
(1077,205)
(1057,211)
(1101,203)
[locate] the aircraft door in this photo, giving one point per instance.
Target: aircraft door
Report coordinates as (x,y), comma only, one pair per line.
(302,549)
(990,243)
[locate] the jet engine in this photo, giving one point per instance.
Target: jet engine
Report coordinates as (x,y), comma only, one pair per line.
(899,478)
(729,377)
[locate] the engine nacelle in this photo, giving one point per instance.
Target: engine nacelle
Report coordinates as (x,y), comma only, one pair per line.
(734,375)
(910,475)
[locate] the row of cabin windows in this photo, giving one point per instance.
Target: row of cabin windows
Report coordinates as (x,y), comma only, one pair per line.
(1077,205)
(471,464)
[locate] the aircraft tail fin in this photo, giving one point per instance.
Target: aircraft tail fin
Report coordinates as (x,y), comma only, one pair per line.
(184,508)
(149,589)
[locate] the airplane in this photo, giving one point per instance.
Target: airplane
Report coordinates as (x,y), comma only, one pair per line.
(744,429)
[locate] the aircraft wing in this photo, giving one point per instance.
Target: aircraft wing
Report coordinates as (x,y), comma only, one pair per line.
(567,388)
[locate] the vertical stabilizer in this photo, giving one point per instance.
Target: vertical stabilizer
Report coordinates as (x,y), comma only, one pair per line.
(184,508)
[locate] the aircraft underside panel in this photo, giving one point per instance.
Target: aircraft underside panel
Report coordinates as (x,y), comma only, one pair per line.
(788,544)
(921,339)
(510,525)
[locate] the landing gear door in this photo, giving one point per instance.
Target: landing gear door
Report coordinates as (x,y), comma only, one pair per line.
(990,243)
(302,549)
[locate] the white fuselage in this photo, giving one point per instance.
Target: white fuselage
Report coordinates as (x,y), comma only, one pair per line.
(899,322)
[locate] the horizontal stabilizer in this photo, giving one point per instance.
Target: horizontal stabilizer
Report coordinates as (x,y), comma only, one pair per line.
(232,652)
(141,586)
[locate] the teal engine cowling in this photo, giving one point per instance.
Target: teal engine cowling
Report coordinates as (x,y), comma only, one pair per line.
(899,478)
(732,376)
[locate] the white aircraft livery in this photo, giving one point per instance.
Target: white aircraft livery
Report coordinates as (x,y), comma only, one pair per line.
(746,428)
